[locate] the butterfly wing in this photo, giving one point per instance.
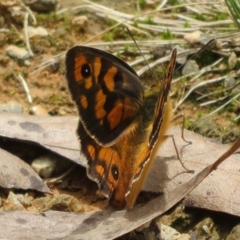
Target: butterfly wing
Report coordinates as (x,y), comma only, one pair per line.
(114,140)
(157,131)
(107,92)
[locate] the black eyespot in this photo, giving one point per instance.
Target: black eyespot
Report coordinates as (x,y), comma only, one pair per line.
(86,70)
(115,172)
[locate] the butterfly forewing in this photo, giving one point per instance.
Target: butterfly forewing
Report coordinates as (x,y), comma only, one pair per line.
(107,92)
(162,100)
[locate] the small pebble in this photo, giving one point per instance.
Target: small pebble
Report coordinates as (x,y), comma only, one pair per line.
(42,5)
(168,233)
(205,39)
(229,82)
(190,67)
(44,166)
(11,108)
(48,165)
(12,203)
(181,59)
(222,67)
(199,37)
(80,20)
(38,31)
(18,53)
(193,37)
(158,52)
(232,60)
(38,110)
(235,233)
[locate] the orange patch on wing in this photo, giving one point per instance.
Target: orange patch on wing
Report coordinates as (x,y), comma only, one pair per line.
(107,154)
(100,113)
(79,61)
(91,151)
(88,82)
(115,116)
(97,67)
(83,101)
(109,78)
(100,101)
(103,153)
(100,170)
(100,96)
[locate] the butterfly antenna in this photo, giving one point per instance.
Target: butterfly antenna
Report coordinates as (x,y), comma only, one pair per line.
(203,48)
(141,53)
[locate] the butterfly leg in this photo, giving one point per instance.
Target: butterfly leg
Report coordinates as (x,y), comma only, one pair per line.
(178,155)
(182,128)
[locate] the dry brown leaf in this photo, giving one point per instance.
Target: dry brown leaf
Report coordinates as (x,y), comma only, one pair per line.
(94,225)
(91,225)
(15,173)
(54,133)
(219,191)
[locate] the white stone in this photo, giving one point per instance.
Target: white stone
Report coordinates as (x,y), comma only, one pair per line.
(16,52)
(193,37)
(38,31)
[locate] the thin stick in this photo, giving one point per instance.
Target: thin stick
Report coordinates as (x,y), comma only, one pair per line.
(25,24)
(30,13)
(25,87)
(216,110)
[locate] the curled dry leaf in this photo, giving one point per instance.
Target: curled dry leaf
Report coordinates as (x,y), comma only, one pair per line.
(54,133)
(15,173)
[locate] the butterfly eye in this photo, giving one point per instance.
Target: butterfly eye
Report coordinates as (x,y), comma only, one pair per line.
(115,172)
(86,70)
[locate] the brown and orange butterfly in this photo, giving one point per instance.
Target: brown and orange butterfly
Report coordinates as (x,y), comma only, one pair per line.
(120,126)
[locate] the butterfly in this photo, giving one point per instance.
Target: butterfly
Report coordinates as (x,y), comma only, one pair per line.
(120,126)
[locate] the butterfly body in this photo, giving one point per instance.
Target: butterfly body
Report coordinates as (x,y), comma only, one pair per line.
(118,126)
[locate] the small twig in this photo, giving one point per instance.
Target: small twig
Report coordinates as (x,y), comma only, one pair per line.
(196,87)
(216,110)
(236,118)
(25,24)
(217,92)
(143,14)
(30,13)
(15,29)
(161,5)
(25,87)
(212,101)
